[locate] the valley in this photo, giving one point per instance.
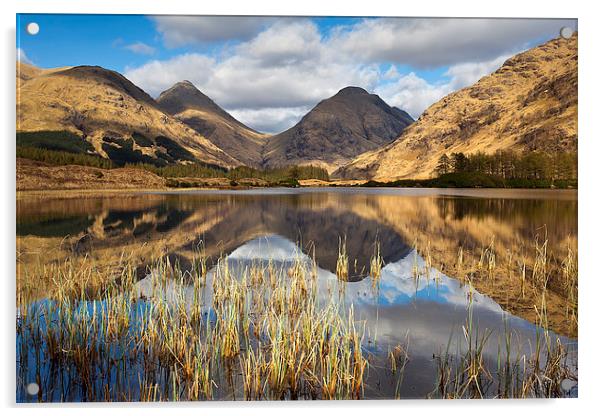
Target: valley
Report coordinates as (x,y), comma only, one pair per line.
(529,104)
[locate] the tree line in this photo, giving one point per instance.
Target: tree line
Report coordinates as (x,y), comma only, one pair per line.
(203,171)
(62,158)
(59,148)
(176,170)
(508,164)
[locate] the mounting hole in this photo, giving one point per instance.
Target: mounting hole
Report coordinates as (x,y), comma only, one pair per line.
(33,28)
(33,389)
(566,32)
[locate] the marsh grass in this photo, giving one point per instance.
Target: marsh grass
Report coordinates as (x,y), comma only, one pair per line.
(258,334)
(254,331)
(518,275)
(342,269)
(516,374)
(376,265)
(399,358)
(463,371)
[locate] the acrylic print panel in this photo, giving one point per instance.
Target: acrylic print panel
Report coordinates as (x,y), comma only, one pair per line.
(228,208)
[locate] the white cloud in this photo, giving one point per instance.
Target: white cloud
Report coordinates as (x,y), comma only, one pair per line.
(156,76)
(281,65)
(183,30)
(22,57)
(270,120)
(428,43)
(140,48)
(285,43)
(391,73)
(415,94)
(412,93)
(466,74)
(284,66)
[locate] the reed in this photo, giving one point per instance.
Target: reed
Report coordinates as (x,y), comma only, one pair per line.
(182,339)
(257,332)
(516,276)
(466,373)
(342,269)
(399,358)
(376,265)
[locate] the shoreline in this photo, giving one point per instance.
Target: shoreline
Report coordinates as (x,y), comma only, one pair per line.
(417,191)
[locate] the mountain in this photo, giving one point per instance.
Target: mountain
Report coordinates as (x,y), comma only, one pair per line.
(529,103)
(107,115)
(337,130)
(25,72)
(185,102)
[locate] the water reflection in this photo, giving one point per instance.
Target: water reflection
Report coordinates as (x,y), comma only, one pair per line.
(413,305)
(315,220)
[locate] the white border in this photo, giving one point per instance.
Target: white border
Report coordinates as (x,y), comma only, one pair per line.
(590,152)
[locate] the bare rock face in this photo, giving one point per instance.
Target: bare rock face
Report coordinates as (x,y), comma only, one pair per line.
(105,109)
(530,103)
(189,105)
(337,130)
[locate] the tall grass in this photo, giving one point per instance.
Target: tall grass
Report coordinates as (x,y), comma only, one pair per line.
(187,337)
(518,275)
(254,331)
(516,374)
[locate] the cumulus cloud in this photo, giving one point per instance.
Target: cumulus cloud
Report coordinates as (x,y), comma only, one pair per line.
(278,68)
(414,94)
(183,30)
(22,57)
(140,48)
(285,43)
(429,43)
(242,83)
(270,120)
(466,74)
(156,76)
(391,73)
(284,66)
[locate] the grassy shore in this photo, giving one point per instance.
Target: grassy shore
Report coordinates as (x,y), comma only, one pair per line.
(45,169)
(474,180)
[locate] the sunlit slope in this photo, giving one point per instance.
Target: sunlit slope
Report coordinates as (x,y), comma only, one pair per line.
(530,103)
(108,111)
(185,102)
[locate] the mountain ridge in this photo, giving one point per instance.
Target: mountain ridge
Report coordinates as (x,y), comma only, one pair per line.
(336,130)
(121,122)
(116,117)
(528,104)
(195,109)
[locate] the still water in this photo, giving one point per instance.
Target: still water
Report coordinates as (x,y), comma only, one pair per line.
(421,303)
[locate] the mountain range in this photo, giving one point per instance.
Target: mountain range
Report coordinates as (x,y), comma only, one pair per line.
(119,120)
(530,103)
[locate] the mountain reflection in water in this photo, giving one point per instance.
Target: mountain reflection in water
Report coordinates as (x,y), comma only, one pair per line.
(424,310)
(315,220)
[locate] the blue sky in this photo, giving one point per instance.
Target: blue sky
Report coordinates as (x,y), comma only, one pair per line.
(269,71)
